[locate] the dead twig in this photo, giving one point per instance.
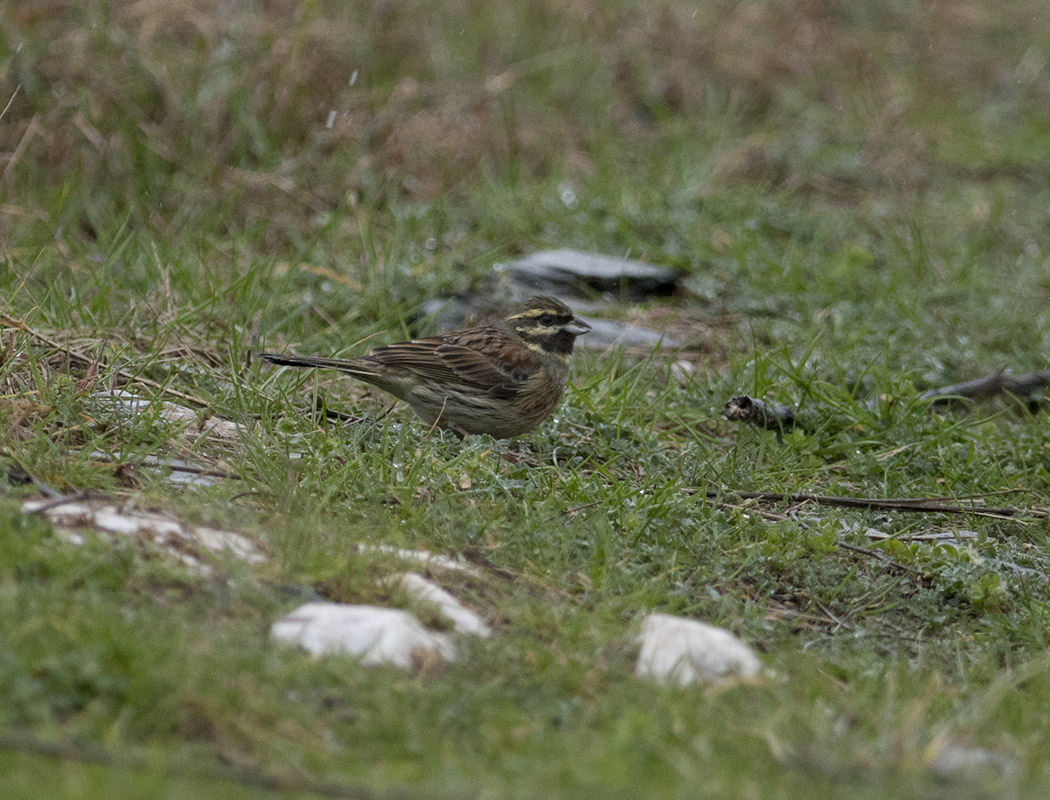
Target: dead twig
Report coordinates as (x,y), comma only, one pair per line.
(783,418)
(1001,381)
(164,463)
(885,559)
(79,497)
(768,416)
(889,562)
(923,505)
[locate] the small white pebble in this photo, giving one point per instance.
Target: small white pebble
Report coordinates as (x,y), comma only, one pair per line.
(683,652)
(376,635)
(419,588)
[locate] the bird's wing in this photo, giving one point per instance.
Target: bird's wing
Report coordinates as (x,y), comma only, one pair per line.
(468,361)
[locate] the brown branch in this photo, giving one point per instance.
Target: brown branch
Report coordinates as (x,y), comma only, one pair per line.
(923,505)
(782,418)
(156,462)
(999,382)
(844,545)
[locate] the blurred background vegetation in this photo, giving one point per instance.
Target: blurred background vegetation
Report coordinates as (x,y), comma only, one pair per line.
(286,123)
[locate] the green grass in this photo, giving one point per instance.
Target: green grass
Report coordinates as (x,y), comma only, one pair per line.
(857,200)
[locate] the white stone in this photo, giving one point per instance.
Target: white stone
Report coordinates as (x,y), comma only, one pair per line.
(174,536)
(212,426)
(427,559)
(376,635)
(682,652)
(419,588)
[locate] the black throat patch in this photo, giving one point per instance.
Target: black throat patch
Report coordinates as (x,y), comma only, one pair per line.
(559,342)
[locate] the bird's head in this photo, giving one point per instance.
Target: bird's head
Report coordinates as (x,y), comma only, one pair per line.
(547,325)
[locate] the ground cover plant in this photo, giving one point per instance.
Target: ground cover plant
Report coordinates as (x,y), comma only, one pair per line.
(857,200)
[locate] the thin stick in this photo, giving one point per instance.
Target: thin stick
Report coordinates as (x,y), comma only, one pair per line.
(926,505)
(889,562)
(155,462)
(782,418)
(999,382)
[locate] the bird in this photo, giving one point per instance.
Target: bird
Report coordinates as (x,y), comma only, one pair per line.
(502,378)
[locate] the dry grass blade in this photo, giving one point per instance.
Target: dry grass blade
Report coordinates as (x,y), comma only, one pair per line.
(93,362)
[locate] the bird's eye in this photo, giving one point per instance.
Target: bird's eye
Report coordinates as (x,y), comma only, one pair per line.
(546,320)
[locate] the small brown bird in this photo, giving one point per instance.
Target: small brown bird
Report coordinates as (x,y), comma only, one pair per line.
(502,379)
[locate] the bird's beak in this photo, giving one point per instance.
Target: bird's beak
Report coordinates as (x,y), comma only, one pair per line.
(577,327)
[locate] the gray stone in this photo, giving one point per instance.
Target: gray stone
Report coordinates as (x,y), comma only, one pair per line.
(576,271)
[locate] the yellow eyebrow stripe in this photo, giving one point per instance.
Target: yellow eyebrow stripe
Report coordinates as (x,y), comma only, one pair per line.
(534,312)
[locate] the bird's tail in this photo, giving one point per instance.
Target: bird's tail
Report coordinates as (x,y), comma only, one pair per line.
(352,366)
